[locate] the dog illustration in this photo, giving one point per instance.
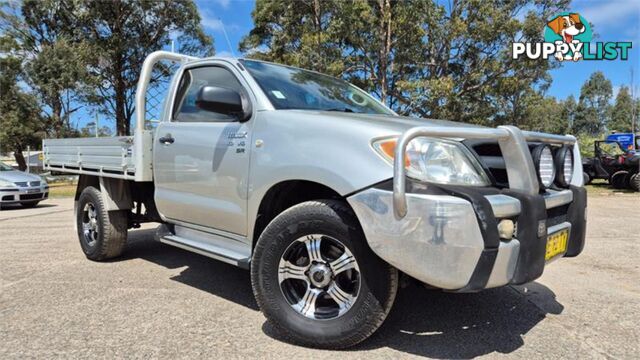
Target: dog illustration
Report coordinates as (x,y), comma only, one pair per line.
(567,27)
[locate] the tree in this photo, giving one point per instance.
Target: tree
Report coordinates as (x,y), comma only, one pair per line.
(593,109)
(569,112)
(299,33)
(419,57)
(90,131)
(124,32)
(622,112)
(83,51)
(20,123)
(56,62)
(545,114)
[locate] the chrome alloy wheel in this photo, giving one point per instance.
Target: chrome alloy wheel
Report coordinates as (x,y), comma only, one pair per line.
(319,277)
(90,224)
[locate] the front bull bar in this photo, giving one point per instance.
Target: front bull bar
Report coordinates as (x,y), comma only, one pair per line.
(521,171)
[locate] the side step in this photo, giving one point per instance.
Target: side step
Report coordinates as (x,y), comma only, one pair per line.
(211,245)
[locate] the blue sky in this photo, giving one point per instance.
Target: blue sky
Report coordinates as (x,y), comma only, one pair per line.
(615,20)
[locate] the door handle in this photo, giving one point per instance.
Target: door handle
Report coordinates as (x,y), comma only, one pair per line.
(167,139)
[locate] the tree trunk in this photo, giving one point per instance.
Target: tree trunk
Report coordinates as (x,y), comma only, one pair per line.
(56,115)
(17,154)
(120,94)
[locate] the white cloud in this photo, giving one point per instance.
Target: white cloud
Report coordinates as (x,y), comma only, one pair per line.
(211,23)
(225,54)
(610,14)
(223,3)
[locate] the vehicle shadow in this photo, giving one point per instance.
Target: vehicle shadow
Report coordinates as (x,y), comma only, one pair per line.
(445,325)
(215,277)
(423,322)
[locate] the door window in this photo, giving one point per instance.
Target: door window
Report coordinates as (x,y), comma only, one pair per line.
(185,109)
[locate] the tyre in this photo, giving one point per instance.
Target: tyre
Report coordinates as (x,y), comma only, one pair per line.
(316,279)
(619,179)
(634,182)
(102,233)
(587,178)
(29,205)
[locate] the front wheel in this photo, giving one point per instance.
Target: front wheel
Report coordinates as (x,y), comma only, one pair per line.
(316,279)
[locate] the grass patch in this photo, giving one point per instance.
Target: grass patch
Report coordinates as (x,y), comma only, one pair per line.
(61,190)
(601,187)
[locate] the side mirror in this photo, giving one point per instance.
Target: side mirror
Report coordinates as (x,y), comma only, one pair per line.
(224,101)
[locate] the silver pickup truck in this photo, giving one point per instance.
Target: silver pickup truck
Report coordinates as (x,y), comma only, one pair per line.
(325,194)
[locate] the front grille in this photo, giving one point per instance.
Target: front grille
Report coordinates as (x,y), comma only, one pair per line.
(27,183)
(557,215)
(30,196)
(490,157)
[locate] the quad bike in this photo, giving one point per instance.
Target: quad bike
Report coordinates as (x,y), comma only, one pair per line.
(617,164)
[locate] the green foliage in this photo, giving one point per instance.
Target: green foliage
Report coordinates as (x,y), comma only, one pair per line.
(92,51)
(123,33)
(593,108)
(425,58)
(622,113)
(544,114)
(585,142)
(55,63)
(20,123)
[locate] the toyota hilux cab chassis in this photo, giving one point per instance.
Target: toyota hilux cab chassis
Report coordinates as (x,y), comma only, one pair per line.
(325,194)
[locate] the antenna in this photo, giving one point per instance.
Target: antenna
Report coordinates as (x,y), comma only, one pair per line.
(634,105)
(227,38)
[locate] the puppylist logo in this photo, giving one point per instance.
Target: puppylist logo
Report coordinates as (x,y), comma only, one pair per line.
(567,37)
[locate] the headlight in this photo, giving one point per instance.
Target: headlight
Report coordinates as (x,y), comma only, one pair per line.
(436,161)
(5,183)
(564,164)
(543,160)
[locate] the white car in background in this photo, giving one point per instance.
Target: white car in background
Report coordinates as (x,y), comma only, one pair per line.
(17,187)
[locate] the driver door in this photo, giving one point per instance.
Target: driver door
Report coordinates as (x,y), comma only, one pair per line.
(201,157)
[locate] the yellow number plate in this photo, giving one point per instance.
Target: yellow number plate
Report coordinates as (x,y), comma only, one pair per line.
(557,243)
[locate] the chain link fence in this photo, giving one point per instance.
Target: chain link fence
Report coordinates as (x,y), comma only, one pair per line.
(157,91)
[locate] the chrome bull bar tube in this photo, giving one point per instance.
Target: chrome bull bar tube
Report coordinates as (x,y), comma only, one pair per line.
(142,138)
(513,145)
(145,78)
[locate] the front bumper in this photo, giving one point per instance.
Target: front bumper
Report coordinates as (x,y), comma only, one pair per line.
(449,236)
(17,195)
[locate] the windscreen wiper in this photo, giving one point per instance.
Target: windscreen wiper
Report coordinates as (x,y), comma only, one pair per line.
(341,110)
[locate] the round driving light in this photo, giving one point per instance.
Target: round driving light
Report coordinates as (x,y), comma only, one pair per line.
(543,160)
(564,164)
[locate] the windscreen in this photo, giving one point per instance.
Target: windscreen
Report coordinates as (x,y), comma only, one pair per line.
(293,88)
(5,167)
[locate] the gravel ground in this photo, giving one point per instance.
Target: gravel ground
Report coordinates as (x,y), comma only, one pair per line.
(160,301)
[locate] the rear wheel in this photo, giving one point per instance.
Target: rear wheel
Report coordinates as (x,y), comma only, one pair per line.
(587,178)
(619,179)
(317,281)
(634,182)
(102,233)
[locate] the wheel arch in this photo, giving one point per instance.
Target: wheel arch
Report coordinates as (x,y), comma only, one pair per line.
(286,194)
(116,193)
